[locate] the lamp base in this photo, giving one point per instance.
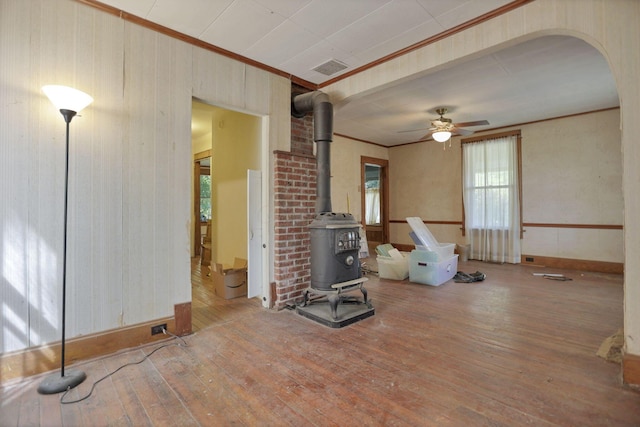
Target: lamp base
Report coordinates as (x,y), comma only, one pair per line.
(56,383)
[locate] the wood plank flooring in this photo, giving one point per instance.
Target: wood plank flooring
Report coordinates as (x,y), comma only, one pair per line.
(208,309)
(513,350)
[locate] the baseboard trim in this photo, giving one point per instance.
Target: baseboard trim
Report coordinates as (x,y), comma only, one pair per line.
(544,261)
(574,264)
(182,314)
(631,369)
(17,365)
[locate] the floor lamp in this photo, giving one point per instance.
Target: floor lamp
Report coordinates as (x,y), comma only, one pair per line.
(69,101)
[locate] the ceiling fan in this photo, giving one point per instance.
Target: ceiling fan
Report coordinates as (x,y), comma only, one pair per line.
(443,128)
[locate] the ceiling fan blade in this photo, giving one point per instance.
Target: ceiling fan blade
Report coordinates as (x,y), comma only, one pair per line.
(476,123)
(457,131)
(412,130)
(462,132)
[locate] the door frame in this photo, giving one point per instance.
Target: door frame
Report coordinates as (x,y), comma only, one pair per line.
(384,195)
(268,290)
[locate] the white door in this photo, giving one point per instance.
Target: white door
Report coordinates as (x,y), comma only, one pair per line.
(254,233)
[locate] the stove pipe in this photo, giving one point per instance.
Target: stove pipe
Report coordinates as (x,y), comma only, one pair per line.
(319,103)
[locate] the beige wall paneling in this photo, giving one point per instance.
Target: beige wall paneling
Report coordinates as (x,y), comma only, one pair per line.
(38,50)
(572,170)
(24,240)
(345,172)
(179,164)
(426,181)
(280,116)
(219,80)
(96,182)
(574,243)
(611,27)
(129,245)
(572,174)
(258,83)
(279,133)
(157,154)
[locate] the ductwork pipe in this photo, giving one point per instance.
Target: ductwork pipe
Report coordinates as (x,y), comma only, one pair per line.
(319,103)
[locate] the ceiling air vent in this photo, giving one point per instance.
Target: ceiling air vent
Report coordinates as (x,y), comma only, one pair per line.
(330,67)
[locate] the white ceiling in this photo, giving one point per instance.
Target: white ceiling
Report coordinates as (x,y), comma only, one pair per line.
(543,78)
(548,77)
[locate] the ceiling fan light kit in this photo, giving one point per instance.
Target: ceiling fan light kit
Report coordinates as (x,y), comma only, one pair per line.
(441,135)
(442,128)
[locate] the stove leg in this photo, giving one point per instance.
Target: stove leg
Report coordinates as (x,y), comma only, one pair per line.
(333,303)
(364,293)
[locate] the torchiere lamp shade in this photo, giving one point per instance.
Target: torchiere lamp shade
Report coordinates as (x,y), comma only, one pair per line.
(67,98)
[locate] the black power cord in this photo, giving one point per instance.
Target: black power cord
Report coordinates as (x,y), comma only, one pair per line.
(164,331)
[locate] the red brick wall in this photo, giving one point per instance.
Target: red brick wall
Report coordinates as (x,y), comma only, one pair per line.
(294,202)
(302,135)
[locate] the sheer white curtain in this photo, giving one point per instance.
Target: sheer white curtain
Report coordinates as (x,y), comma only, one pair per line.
(372,204)
(491,199)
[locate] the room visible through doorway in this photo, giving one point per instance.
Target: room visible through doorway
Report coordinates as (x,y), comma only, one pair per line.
(225,144)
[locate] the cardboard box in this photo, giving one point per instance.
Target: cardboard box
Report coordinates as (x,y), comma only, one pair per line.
(230,282)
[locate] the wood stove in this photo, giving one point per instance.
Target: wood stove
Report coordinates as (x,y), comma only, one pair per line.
(335,243)
(335,237)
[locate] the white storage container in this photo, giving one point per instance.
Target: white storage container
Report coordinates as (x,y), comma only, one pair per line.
(424,240)
(393,268)
(425,268)
(444,250)
(422,232)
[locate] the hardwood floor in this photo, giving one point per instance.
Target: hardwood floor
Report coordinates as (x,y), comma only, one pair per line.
(208,309)
(516,349)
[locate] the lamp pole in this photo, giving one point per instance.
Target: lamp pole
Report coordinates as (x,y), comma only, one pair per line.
(68,115)
(65,99)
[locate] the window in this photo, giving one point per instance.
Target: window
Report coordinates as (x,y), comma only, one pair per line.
(205,198)
(491,196)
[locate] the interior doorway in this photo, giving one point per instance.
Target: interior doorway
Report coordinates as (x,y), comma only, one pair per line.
(225,145)
(375,199)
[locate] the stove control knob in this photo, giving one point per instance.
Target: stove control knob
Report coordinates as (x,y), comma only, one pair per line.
(349,260)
